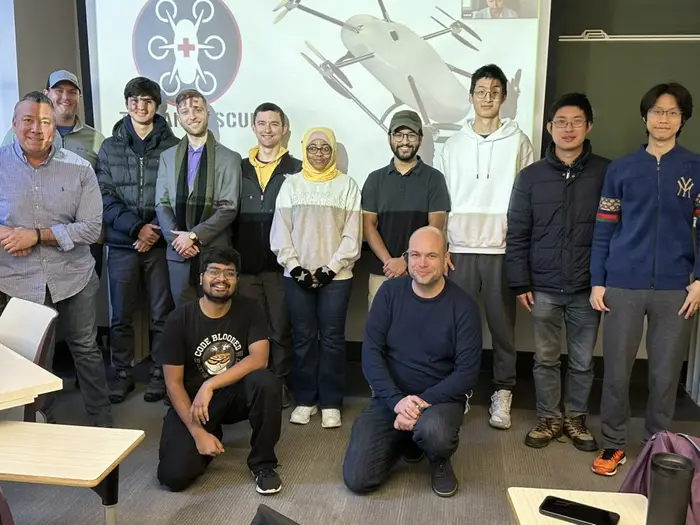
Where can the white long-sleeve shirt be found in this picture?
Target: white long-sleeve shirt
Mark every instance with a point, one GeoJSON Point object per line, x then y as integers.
{"type": "Point", "coordinates": [318, 224]}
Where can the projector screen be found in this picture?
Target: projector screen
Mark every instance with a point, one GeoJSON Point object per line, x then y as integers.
{"type": "Point", "coordinates": [9, 82]}
{"type": "Point", "coordinates": [347, 65]}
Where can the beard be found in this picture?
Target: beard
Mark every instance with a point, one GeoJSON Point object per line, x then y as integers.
{"type": "Point", "coordinates": [201, 129]}
{"type": "Point", "coordinates": [219, 297]}
{"type": "Point", "coordinates": [406, 156]}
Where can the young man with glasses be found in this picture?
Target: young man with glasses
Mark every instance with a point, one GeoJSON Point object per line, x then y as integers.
{"type": "Point", "coordinates": [641, 265]}
{"type": "Point", "coordinates": [400, 198]}
{"type": "Point", "coordinates": [127, 169]}
{"type": "Point", "coordinates": [480, 163]}
{"type": "Point", "coordinates": [548, 251]}
{"type": "Point", "coordinates": [214, 354]}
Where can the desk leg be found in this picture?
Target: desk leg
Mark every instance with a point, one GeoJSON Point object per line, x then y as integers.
{"type": "Point", "coordinates": [108, 490]}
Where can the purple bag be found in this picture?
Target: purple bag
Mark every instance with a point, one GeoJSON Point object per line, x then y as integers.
{"type": "Point", "coordinates": [638, 478]}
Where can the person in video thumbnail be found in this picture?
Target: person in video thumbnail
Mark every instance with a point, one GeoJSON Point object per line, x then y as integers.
{"type": "Point", "coordinates": [421, 355]}
{"type": "Point", "coordinates": [197, 192]}
{"type": "Point", "coordinates": [548, 251]}
{"type": "Point", "coordinates": [400, 198]}
{"type": "Point", "coordinates": [317, 237]}
{"type": "Point", "coordinates": [264, 170]}
{"type": "Point", "coordinates": [127, 169]}
{"type": "Point", "coordinates": [642, 260]}
{"type": "Point", "coordinates": [214, 355]}
{"type": "Point", "coordinates": [480, 163]}
{"type": "Point", "coordinates": [496, 9]}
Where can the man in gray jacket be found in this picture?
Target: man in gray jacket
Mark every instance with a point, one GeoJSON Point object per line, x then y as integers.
{"type": "Point", "coordinates": [197, 194]}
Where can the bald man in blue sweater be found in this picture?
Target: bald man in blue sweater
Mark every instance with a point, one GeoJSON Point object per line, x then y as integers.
{"type": "Point", "coordinates": [421, 355]}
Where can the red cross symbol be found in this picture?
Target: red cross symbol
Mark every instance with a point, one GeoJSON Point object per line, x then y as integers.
{"type": "Point", "coordinates": [186, 47]}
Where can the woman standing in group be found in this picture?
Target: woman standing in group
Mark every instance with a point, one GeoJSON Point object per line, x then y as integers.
{"type": "Point", "coordinates": [317, 237]}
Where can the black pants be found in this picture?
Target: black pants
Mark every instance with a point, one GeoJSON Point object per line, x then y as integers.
{"type": "Point", "coordinates": [257, 397]}
{"type": "Point", "coordinates": [97, 251]}
{"type": "Point", "coordinates": [375, 445]}
{"type": "Point", "coordinates": [267, 288]}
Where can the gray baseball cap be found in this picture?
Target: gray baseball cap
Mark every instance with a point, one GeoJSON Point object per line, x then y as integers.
{"type": "Point", "coordinates": [62, 76]}
{"type": "Point", "coordinates": [406, 119]}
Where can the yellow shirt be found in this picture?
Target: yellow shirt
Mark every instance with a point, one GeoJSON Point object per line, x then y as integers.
{"type": "Point", "coordinates": [264, 170]}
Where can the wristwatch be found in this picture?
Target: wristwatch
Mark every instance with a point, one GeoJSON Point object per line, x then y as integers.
{"type": "Point", "coordinates": [193, 236]}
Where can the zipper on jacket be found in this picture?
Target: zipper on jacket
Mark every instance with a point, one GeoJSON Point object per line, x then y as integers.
{"type": "Point", "coordinates": [658, 212]}
{"type": "Point", "coordinates": [566, 228]}
{"type": "Point", "coordinates": [140, 186]}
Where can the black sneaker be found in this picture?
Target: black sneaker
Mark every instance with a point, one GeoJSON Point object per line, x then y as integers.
{"type": "Point", "coordinates": [156, 386]}
{"type": "Point", "coordinates": [442, 479]}
{"type": "Point", "coordinates": [267, 481]}
{"type": "Point", "coordinates": [546, 429]}
{"type": "Point", "coordinates": [411, 453]}
{"type": "Point", "coordinates": [121, 387]}
{"type": "Point", "coordinates": [576, 430]}
{"type": "Point", "coordinates": [286, 397]}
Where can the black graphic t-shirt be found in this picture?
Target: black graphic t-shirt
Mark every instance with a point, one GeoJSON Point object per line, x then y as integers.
{"type": "Point", "coordinates": [208, 347]}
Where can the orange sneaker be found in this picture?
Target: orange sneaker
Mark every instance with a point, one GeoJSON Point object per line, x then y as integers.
{"type": "Point", "coordinates": [607, 461]}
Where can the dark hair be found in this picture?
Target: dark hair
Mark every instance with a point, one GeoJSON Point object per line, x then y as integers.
{"type": "Point", "coordinates": [227, 256]}
{"type": "Point", "coordinates": [270, 106]}
{"type": "Point", "coordinates": [142, 87]}
{"type": "Point", "coordinates": [489, 71]}
{"type": "Point", "coordinates": [683, 98]}
{"type": "Point", "coordinates": [188, 94]}
{"type": "Point", "coordinates": [578, 100]}
{"type": "Point", "coordinates": [35, 96]}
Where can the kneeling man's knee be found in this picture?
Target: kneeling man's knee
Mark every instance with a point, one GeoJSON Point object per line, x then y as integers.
{"type": "Point", "coordinates": [434, 437]}
{"type": "Point", "coordinates": [173, 478]}
{"type": "Point", "coordinates": [358, 481]}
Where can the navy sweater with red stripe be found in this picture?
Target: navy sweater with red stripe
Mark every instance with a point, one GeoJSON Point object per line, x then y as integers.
{"type": "Point", "coordinates": [643, 236]}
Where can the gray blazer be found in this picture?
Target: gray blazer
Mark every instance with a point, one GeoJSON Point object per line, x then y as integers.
{"type": "Point", "coordinates": [216, 230]}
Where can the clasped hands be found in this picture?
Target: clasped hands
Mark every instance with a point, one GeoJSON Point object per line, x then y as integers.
{"type": "Point", "coordinates": [408, 411]}
{"type": "Point", "coordinates": [183, 245]}
{"type": "Point", "coordinates": [311, 280]}
{"type": "Point", "coordinates": [18, 242]}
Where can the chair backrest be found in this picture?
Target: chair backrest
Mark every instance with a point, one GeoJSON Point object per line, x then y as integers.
{"type": "Point", "coordinates": [27, 328]}
{"type": "Point", "coordinates": [5, 514]}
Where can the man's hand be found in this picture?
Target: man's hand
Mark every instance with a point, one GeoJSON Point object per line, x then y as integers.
{"type": "Point", "coordinates": [527, 300]}
{"type": "Point", "coordinates": [395, 267]}
{"type": "Point", "coordinates": [199, 411]}
{"type": "Point", "coordinates": [450, 266]}
{"type": "Point", "coordinates": [596, 300]}
{"type": "Point", "coordinates": [692, 301]}
{"type": "Point", "coordinates": [182, 242]}
{"type": "Point", "coordinates": [142, 247]}
{"type": "Point", "coordinates": [403, 423]}
{"type": "Point", "coordinates": [188, 254]}
{"type": "Point", "coordinates": [149, 234]}
{"type": "Point", "coordinates": [19, 240]}
{"type": "Point", "coordinates": [22, 253]}
{"type": "Point", "coordinates": [410, 407]}
{"type": "Point", "coordinates": [208, 444]}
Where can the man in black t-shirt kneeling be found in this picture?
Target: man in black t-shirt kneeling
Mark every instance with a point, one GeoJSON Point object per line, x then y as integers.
{"type": "Point", "coordinates": [214, 355]}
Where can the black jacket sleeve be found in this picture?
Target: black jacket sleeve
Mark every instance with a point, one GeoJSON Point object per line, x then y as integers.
{"type": "Point", "coordinates": [519, 236]}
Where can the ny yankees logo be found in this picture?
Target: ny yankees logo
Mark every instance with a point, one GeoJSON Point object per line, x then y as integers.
{"type": "Point", "coordinates": [684, 187]}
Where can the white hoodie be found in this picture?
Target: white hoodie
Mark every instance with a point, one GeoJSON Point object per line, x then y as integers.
{"type": "Point", "coordinates": [480, 173]}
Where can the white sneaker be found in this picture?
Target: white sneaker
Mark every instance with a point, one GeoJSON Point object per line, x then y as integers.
{"type": "Point", "coordinates": [302, 415]}
{"type": "Point", "coordinates": [500, 409]}
{"type": "Point", "coordinates": [330, 418]}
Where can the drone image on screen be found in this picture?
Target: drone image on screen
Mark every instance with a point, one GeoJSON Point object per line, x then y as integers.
{"type": "Point", "coordinates": [402, 61]}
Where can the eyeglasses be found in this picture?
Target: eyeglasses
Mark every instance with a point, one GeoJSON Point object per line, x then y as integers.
{"type": "Point", "coordinates": [218, 272]}
{"type": "Point", "coordinates": [673, 113]}
{"type": "Point", "coordinates": [480, 94]}
{"type": "Point", "coordinates": [400, 137]}
{"type": "Point", "coordinates": [326, 150]}
{"type": "Point", "coordinates": [562, 123]}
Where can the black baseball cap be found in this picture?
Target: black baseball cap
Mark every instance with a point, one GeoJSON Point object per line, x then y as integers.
{"type": "Point", "coordinates": [406, 119]}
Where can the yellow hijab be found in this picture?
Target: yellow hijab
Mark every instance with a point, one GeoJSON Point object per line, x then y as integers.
{"type": "Point", "coordinates": [330, 171]}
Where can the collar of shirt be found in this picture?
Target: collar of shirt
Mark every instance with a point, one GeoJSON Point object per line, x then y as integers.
{"type": "Point", "coordinates": [391, 168]}
{"type": "Point", "coordinates": [20, 153]}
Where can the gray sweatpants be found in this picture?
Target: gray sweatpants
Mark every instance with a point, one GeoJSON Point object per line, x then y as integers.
{"type": "Point", "coordinates": [485, 274]}
{"type": "Point", "coordinates": [668, 339]}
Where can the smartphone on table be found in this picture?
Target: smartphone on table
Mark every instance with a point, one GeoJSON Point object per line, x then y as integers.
{"type": "Point", "coordinates": [577, 513]}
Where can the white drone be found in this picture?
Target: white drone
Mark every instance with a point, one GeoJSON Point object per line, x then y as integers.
{"type": "Point", "coordinates": [402, 61]}
{"type": "Point", "coordinates": [186, 47]}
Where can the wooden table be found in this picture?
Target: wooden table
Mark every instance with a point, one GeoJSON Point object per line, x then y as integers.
{"type": "Point", "coordinates": [67, 455]}
{"type": "Point", "coordinates": [21, 381]}
{"type": "Point", "coordinates": [525, 503]}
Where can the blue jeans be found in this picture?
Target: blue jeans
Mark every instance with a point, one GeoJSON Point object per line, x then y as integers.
{"type": "Point", "coordinates": [375, 445]}
{"type": "Point", "coordinates": [581, 333]}
{"type": "Point", "coordinates": [318, 340]}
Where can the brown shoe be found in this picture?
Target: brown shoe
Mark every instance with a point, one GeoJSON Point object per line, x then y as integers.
{"type": "Point", "coordinates": [576, 430]}
{"type": "Point", "coordinates": [546, 429]}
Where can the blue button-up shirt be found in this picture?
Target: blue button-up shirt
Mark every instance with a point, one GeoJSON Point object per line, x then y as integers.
{"type": "Point", "coordinates": [193, 158]}
{"type": "Point", "coordinates": [62, 194]}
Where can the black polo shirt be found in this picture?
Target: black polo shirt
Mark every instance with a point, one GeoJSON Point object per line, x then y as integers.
{"type": "Point", "coordinates": [402, 204]}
